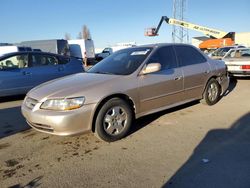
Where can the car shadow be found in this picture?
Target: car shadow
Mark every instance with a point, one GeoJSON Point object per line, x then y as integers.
{"type": "Point", "coordinates": [146, 120]}
{"type": "Point", "coordinates": [242, 78]}
{"type": "Point", "coordinates": [220, 160]}
{"type": "Point", "coordinates": [231, 87]}
{"type": "Point", "coordinates": [34, 183]}
{"type": "Point", "coordinates": [11, 121]}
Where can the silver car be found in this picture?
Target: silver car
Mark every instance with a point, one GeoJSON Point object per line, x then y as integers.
{"type": "Point", "coordinates": [129, 84]}
{"type": "Point", "coordinates": [238, 62]}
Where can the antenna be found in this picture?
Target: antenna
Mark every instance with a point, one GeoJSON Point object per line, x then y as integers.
{"type": "Point", "coordinates": [179, 34]}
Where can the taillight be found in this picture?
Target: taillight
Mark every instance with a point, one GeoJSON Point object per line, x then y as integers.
{"type": "Point", "coordinates": [245, 67]}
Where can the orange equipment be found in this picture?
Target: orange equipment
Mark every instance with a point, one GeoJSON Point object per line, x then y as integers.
{"type": "Point", "coordinates": [218, 38]}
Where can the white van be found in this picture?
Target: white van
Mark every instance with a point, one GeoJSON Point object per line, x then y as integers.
{"type": "Point", "coordinates": [10, 49]}
{"type": "Point", "coordinates": [83, 49]}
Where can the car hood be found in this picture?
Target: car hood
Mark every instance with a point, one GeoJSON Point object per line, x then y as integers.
{"type": "Point", "coordinates": [72, 86]}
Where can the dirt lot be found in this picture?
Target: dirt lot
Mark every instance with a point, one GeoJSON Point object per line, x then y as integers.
{"type": "Point", "coordinates": [190, 146]}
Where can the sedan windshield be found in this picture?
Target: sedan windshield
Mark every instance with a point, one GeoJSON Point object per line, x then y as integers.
{"type": "Point", "coordinates": [122, 62]}
{"type": "Point", "coordinates": [221, 51]}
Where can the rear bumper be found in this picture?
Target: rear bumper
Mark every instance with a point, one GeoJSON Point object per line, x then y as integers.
{"type": "Point", "coordinates": [239, 73]}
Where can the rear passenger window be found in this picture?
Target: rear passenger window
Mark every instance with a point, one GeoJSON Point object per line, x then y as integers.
{"type": "Point", "coordinates": [245, 52]}
{"type": "Point", "coordinates": [165, 56]}
{"type": "Point", "coordinates": [189, 56]}
{"type": "Point", "coordinates": [43, 60]}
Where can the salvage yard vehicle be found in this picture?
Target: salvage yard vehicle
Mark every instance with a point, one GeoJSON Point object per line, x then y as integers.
{"type": "Point", "coordinates": [128, 84]}
{"type": "Point", "coordinates": [21, 71]}
{"type": "Point", "coordinates": [237, 61]}
{"type": "Point", "coordinates": [221, 52]}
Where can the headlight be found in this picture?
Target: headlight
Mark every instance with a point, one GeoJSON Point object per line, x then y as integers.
{"type": "Point", "coordinates": [63, 104]}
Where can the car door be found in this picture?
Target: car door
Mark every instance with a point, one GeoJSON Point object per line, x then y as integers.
{"type": "Point", "coordinates": [68, 66]}
{"type": "Point", "coordinates": [44, 67]}
{"type": "Point", "coordinates": [196, 70]}
{"type": "Point", "coordinates": [14, 77]}
{"type": "Point", "coordinates": [162, 88]}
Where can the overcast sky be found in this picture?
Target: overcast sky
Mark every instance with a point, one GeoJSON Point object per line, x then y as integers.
{"type": "Point", "coordinates": [113, 21]}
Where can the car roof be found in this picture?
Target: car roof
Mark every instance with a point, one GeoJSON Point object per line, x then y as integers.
{"type": "Point", "coordinates": [30, 52]}
{"type": "Point", "coordinates": [239, 49]}
{"type": "Point", "coordinates": [161, 45]}
{"type": "Point", "coordinates": [236, 46]}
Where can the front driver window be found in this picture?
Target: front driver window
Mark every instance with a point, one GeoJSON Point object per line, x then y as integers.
{"type": "Point", "coordinates": [14, 62]}
{"type": "Point", "coordinates": [165, 56]}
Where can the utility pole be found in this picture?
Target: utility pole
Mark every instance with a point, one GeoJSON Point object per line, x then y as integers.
{"type": "Point", "coordinates": [179, 34]}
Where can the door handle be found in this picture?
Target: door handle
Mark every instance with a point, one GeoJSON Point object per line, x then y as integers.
{"type": "Point", "coordinates": [178, 78]}
{"type": "Point", "coordinates": [60, 68]}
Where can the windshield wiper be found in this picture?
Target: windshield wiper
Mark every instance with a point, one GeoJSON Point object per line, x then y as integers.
{"type": "Point", "coordinates": [101, 72]}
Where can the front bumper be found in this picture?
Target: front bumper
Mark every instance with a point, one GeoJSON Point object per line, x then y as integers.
{"type": "Point", "coordinates": [61, 123]}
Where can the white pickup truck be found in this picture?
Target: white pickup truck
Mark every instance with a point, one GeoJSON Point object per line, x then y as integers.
{"type": "Point", "coordinates": [110, 50]}
{"type": "Point", "coordinates": [238, 61]}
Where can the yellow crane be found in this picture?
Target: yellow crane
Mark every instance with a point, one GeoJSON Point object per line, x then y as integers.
{"type": "Point", "coordinates": [218, 38]}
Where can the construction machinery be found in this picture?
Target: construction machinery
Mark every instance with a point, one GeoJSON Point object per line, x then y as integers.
{"type": "Point", "coordinates": [217, 38]}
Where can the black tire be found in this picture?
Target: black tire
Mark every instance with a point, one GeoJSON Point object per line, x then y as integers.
{"type": "Point", "coordinates": [212, 92]}
{"type": "Point", "coordinates": [113, 120]}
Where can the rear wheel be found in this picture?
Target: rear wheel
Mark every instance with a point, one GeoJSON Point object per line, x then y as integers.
{"type": "Point", "coordinates": [212, 92]}
{"type": "Point", "coordinates": [113, 120]}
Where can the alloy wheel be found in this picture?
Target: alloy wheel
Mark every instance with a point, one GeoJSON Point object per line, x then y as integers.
{"type": "Point", "coordinates": [115, 120]}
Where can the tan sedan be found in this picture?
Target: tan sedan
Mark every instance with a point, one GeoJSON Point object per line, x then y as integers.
{"type": "Point", "coordinates": [128, 84]}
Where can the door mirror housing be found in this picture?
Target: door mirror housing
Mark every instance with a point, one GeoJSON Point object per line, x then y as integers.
{"type": "Point", "coordinates": [150, 68]}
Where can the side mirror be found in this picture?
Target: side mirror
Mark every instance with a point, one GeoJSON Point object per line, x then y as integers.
{"type": "Point", "coordinates": [150, 68]}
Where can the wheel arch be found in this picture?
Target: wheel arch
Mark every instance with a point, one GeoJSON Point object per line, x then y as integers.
{"type": "Point", "coordinates": [122, 96]}
{"type": "Point", "coordinates": [211, 77]}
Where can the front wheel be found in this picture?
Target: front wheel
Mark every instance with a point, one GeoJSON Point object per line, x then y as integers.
{"type": "Point", "coordinates": [212, 92]}
{"type": "Point", "coordinates": [113, 120]}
